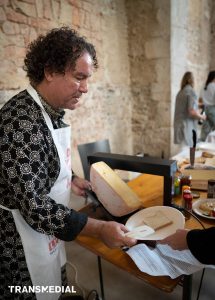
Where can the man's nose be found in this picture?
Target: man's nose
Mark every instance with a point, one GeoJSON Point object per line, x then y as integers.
{"type": "Point", "coordinates": [83, 86]}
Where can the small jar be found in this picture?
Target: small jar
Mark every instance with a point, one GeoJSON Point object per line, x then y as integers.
{"type": "Point", "coordinates": [211, 188]}
{"type": "Point", "coordinates": [185, 180]}
{"type": "Point", "coordinates": [185, 188]}
{"type": "Point", "coordinates": [188, 203]}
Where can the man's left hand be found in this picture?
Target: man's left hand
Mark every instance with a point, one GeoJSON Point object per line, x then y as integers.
{"type": "Point", "coordinates": [79, 185]}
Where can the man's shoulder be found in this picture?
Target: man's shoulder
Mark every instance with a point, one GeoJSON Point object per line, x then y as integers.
{"type": "Point", "coordinates": [21, 106]}
{"type": "Point", "coordinates": [22, 98]}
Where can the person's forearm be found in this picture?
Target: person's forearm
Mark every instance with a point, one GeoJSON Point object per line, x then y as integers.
{"type": "Point", "coordinates": [196, 115]}
{"type": "Point", "coordinates": [111, 233]}
{"type": "Point", "coordinates": [93, 228]}
{"type": "Point", "coordinates": [177, 240]}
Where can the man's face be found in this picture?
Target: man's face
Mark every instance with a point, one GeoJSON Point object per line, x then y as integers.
{"type": "Point", "coordinates": [66, 89]}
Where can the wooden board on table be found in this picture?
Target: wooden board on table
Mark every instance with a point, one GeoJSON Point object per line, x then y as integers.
{"type": "Point", "coordinates": [149, 188]}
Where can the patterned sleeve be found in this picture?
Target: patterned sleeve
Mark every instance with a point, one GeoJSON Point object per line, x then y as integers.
{"type": "Point", "coordinates": [30, 167]}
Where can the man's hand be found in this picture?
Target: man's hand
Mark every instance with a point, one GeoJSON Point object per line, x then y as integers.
{"type": "Point", "coordinates": [111, 233]}
{"type": "Point", "coordinates": [79, 185]}
{"type": "Point", "coordinates": [177, 241]}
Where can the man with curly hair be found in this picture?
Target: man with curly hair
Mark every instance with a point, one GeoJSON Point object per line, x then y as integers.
{"type": "Point", "coordinates": [36, 177]}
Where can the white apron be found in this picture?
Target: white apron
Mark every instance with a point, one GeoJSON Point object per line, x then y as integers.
{"type": "Point", "coordinates": [45, 255]}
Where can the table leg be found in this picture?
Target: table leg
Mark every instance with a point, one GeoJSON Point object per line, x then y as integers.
{"type": "Point", "coordinates": [187, 287]}
{"type": "Point", "coordinates": [101, 278]}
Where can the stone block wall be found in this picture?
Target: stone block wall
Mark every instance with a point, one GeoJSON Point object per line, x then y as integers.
{"type": "Point", "coordinates": [106, 109]}
{"type": "Point", "coordinates": [149, 24]}
{"type": "Point", "coordinates": [212, 56]}
{"type": "Point", "coordinates": [191, 47]}
{"type": "Point", "coordinates": [173, 37]}
{"type": "Point", "coordinates": [143, 48]}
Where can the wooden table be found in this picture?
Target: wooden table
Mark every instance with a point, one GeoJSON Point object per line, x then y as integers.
{"type": "Point", "coordinates": [149, 188]}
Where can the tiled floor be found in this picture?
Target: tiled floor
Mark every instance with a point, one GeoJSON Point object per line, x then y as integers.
{"type": "Point", "coordinates": [122, 286]}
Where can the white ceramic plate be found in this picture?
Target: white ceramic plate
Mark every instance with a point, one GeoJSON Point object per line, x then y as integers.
{"type": "Point", "coordinates": [198, 211]}
{"type": "Point", "coordinates": [172, 213]}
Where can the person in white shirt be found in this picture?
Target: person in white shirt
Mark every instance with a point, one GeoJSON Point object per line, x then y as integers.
{"type": "Point", "coordinates": [208, 98]}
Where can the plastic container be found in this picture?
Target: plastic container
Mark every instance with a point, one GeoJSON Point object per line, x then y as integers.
{"type": "Point", "coordinates": [177, 186]}
{"type": "Point", "coordinates": [185, 180]}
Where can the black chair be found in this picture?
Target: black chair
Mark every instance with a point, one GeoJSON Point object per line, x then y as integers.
{"type": "Point", "coordinates": [87, 149]}
{"type": "Point", "coordinates": [84, 151]}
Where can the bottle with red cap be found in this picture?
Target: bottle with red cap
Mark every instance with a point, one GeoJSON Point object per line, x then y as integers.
{"type": "Point", "coordinates": [187, 203]}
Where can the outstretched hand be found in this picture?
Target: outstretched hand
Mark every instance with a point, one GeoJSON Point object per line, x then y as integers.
{"type": "Point", "coordinates": [177, 240]}
{"type": "Point", "coordinates": [113, 235]}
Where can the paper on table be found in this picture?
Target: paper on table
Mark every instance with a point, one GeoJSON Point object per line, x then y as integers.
{"type": "Point", "coordinates": [163, 260]}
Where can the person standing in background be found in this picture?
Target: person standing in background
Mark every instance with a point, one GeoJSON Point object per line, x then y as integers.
{"type": "Point", "coordinates": [186, 111]}
{"type": "Point", "coordinates": [208, 99]}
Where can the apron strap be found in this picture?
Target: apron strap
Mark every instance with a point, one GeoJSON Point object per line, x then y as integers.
{"type": "Point", "coordinates": [5, 208]}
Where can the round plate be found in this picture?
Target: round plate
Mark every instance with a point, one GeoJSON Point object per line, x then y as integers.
{"type": "Point", "coordinates": [171, 213]}
{"type": "Point", "coordinates": [198, 211]}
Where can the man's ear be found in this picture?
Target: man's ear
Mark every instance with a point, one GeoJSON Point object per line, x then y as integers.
{"type": "Point", "coordinates": [48, 74]}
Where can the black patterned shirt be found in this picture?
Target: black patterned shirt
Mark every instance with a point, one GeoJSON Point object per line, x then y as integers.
{"type": "Point", "coordinates": [29, 167]}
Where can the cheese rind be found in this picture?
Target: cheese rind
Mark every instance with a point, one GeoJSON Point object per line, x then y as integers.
{"type": "Point", "coordinates": [114, 194]}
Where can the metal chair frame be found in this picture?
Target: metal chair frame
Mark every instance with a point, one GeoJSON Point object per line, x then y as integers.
{"type": "Point", "coordinates": [84, 151]}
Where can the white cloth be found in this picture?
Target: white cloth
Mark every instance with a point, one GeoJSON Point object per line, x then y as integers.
{"type": "Point", "coordinates": [164, 261]}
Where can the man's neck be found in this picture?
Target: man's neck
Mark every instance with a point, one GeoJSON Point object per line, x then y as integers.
{"type": "Point", "coordinates": [43, 91]}
{"type": "Point", "coordinates": [57, 114]}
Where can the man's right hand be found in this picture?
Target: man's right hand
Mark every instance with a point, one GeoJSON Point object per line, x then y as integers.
{"type": "Point", "coordinates": [111, 233]}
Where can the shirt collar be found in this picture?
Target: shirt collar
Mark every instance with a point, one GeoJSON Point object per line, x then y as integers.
{"type": "Point", "coordinates": [55, 114]}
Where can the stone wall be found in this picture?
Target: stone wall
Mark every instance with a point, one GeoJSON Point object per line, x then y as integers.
{"type": "Point", "coordinates": [173, 37]}
{"type": "Point", "coordinates": [106, 109]}
{"type": "Point", "coordinates": [190, 47]}
{"type": "Point", "coordinates": [143, 47]}
{"type": "Point", "coordinates": [212, 56]}
{"type": "Point", "coordinates": [179, 26]}
{"type": "Point", "coordinates": [149, 24]}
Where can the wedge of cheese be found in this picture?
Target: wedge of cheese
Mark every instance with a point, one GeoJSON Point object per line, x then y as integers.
{"type": "Point", "coordinates": [114, 194]}
{"type": "Point", "coordinates": [157, 220]}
